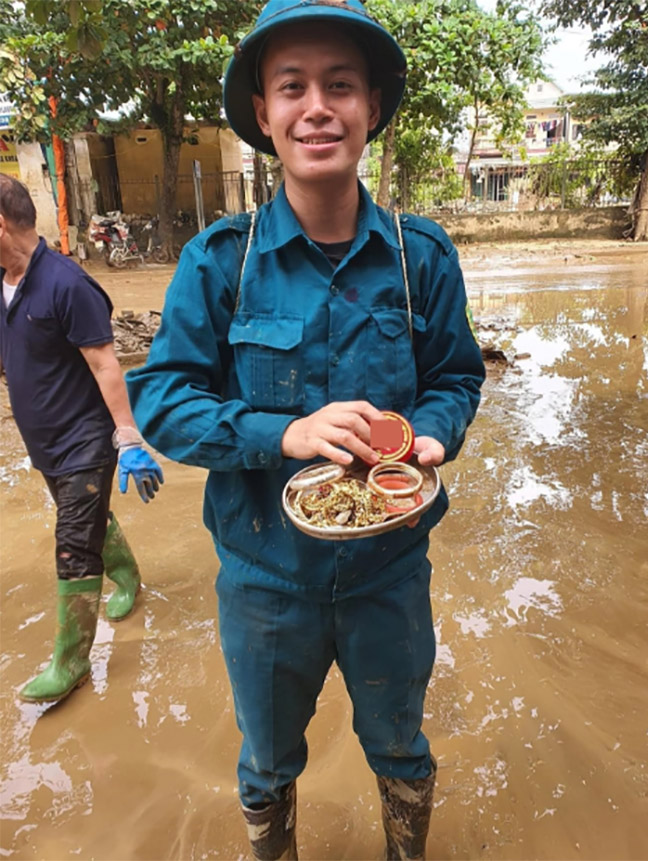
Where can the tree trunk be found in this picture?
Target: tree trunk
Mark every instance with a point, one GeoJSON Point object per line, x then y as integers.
{"type": "Point", "coordinates": [259, 188]}
{"type": "Point", "coordinates": [172, 131]}
{"type": "Point", "coordinates": [640, 231]}
{"type": "Point", "coordinates": [387, 164]}
{"type": "Point", "coordinates": [471, 149]}
{"type": "Point", "coordinates": [171, 146]}
{"type": "Point", "coordinates": [404, 189]}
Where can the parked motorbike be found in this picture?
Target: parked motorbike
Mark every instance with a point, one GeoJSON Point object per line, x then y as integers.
{"type": "Point", "coordinates": [104, 233]}
{"type": "Point", "coordinates": [112, 236]}
{"type": "Point", "coordinates": [154, 248]}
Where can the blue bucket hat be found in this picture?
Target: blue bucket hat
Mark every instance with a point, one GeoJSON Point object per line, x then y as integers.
{"type": "Point", "coordinates": [386, 60]}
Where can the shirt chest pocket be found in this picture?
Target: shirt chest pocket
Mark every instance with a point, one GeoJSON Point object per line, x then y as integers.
{"type": "Point", "coordinates": [43, 335]}
{"type": "Point", "coordinates": [391, 366]}
{"type": "Point", "coordinates": [269, 359]}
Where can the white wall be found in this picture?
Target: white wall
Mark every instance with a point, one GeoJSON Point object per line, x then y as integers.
{"type": "Point", "coordinates": [34, 173]}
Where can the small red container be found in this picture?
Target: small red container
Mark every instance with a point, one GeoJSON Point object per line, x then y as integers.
{"type": "Point", "coordinates": [403, 451]}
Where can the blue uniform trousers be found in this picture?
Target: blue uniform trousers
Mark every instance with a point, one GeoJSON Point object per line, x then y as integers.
{"type": "Point", "coordinates": [279, 647]}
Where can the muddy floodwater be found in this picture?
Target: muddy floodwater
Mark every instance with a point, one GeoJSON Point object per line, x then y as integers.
{"type": "Point", "coordinates": [538, 707]}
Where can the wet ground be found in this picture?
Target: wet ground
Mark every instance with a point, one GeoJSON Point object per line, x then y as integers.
{"type": "Point", "coordinates": [538, 708]}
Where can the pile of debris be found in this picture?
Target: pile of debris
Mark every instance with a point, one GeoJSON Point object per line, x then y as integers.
{"type": "Point", "coordinates": [134, 333]}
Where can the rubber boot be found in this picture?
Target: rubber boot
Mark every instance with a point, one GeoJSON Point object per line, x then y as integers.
{"type": "Point", "coordinates": [406, 809]}
{"type": "Point", "coordinates": [271, 830]}
{"type": "Point", "coordinates": [120, 567]}
{"type": "Point", "coordinates": [78, 607]}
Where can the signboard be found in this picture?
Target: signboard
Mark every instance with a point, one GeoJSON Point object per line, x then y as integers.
{"type": "Point", "coordinates": [7, 109]}
{"type": "Point", "coordinates": [8, 156]}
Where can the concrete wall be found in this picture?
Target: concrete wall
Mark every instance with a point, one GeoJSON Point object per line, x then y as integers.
{"type": "Point", "coordinates": [101, 151]}
{"type": "Point", "coordinates": [34, 173]}
{"type": "Point", "coordinates": [231, 153]}
{"type": "Point", "coordinates": [140, 158]}
{"type": "Point", "coordinates": [604, 223]}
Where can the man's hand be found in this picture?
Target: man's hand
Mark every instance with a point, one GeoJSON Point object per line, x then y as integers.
{"type": "Point", "coordinates": [331, 430]}
{"type": "Point", "coordinates": [429, 450]}
{"type": "Point", "coordinates": [147, 474]}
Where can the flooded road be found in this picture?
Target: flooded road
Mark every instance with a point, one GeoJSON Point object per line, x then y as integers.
{"type": "Point", "coordinates": [538, 707]}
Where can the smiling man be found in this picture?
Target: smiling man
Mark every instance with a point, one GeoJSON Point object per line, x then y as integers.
{"type": "Point", "coordinates": [282, 339]}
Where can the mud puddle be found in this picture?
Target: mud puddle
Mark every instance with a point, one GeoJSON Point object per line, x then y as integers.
{"type": "Point", "coordinates": [538, 708]}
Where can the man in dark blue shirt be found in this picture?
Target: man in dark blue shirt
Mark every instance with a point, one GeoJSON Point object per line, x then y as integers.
{"type": "Point", "coordinates": [281, 342]}
{"type": "Point", "coordinates": [71, 406]}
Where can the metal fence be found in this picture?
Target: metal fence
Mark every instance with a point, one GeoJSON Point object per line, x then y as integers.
{"type": "Point", "coordinates": [510, 187]}
{"type": "Point", "coordinates": [483, 188]}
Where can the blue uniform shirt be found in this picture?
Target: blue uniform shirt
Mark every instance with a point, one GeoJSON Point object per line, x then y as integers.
{"type": "Point", "coordinates": [55, 399]}
{"type": "Point", "coordinates": [222, 383]}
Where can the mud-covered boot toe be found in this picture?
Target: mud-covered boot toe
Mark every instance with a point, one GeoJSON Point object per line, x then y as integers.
{"type": "Point", "coordinates": [77, 611]}
{"type": "Point", "coordinates": [122, 602]}
{"type": "Point", "coordinates": [53, 685]}
{"type": "Point", "coordinates": [271, 829]}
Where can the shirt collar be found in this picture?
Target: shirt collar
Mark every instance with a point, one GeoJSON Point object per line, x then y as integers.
{"type": "Point", "coordinates": [280, 225]}
{"type": "Point", "coordinates": [38, 251]}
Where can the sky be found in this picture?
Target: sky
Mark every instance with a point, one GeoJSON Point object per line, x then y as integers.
{"type": "Point", "coordinates": [567, 60]}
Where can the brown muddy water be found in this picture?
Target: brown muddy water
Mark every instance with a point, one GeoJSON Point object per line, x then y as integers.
{"type": "Point", "coordinates": [538, 708]}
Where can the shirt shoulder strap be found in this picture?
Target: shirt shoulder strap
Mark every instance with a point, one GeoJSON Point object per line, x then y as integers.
{"type": "Point", "coordinates": [245, 257]}
{"type": "Point", "coordinates": [401, 242]}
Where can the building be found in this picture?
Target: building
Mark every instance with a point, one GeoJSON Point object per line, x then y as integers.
{"type": "Point", "coordinates": [29, 163]}
{"type": "Point", "coordinates": [495, 174]}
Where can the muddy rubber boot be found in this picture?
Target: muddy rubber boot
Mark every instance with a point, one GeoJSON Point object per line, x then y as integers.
{"type": "Point", "coordinates": [120, 567]}
{"type": "Point", "coordinates": [78, 607]}
{"type": "Point", "coordinates": [271, 830]}
{"type": "Point", "coordinates": [406, 809]}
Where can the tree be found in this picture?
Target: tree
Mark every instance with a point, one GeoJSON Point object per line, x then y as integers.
{"type": "Point", "coordinates": [458, 57]}
{"type": "Point", "coordinates": [617, 111]}
{"type": "Point", "coordinates": [159, 60]}
{"type": "Point", "coordinates": [579, 177]}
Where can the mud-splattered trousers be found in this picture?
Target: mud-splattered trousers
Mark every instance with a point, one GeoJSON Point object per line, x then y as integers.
{"type": "Point", "coordinates": [279, 649]}
{"type": "Point", "coordinates": [231, 366]}
{"type": "Point", "coordinates": [82, 505]}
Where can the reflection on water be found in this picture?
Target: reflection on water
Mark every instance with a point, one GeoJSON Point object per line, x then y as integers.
{"type": "Point", "coordinates": [527, 592]}
{"type": "Point", "coordinates": [537, 708]}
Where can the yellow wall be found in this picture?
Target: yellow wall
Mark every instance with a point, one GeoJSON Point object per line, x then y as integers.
{"type": "Point", "coordinates": [8, 154]}
{"type": "Point", "coordinates": [140, 158]}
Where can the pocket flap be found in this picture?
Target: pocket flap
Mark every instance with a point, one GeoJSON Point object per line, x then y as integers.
{"type": "Point", "coordinates": [266, 330]}
{"type": "Point", "coordinates": [392, 322]}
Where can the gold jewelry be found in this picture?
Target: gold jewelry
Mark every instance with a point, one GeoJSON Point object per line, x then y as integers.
{"type": "Point", "coordinates": [346, 503]}
{"type": "Point", "coordinates": [402, 473]}
{"type": "Point", "coordinates": [320, 473]}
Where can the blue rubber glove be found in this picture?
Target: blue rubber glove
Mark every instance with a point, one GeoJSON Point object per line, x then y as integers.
{"type": "Point", "coordinates": [147, 474]}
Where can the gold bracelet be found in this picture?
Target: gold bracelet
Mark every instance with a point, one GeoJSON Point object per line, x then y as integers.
{"type": "Point", "coordinates": [395, 470]}
{"type": "Point", "coordinates": [314, 476]}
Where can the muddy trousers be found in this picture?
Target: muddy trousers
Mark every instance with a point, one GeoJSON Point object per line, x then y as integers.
{"type": "Point", "coordinates": [279, 649]}
{"type": "Point", "coordinates": [82, 507]}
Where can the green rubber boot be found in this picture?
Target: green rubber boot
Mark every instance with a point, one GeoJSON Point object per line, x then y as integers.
{"type": "Point", "coordinates": [120, 567]}
{"type": "Point", "coordinates": [78, 607]}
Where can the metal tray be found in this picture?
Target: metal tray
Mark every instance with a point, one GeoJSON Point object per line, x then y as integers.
{"type": "Point", "coordinates": [429, 492]}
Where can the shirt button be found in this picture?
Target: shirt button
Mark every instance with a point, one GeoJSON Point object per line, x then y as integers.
{"type": "Point", "coordinates": [261, 457]}
{"type": "Point", "coordinates": [335, 360]}
{"type": "Point", "coordinates": [343, 552]}
{"type": "Point", "coordinates": [335, 289]}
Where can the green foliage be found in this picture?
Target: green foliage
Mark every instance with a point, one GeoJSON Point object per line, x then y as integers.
{"type": "Point", "coordinates": [618, 108]}
{"type": "Point", "coordinates": [459, 57]}
{"type": "Point", "coordinates": [160, 58]}
{"type": "Point", "coordinates": [580, 177]}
